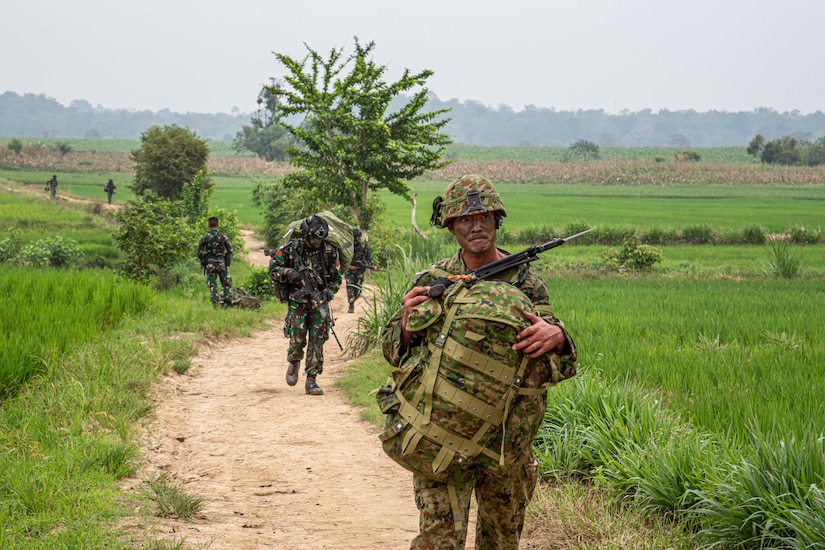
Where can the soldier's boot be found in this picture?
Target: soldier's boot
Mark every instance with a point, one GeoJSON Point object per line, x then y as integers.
{"type": "Point", "coordinates": [292, 373]}
{"type": "Point", "coordinates": [312, 387]}
{"type": "Point", "coordinates": [351, 307]}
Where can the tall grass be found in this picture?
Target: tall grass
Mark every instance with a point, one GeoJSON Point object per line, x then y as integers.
{"type": "Point", "coordinates": [48, 312]}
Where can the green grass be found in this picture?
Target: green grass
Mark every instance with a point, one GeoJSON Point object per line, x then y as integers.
{"type": "Point", "coordinates": [773, 207]}
{"type": "Point", "coordinates": [561, 154]}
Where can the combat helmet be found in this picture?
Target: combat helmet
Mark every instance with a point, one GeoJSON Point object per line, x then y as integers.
{"type": "Point", "coordinates": [315, 226]}
{"type": "Point", "coordinates": [465, 195]}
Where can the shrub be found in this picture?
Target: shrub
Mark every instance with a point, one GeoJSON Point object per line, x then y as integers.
{"type": "Point", "coordinates": [258, 284]}
{"type": "Point", "coordinates": [754, 234]}
{"type": "Point", "coordinates": [784, 262]}
{"type": "Point", "coordinates": [16, 145]}
{"type": "Point", "coordinates": [688, 156]}
{"type": "Point", "coordinates": [11, 246]}
{"type": "Point", "coordinates": [633, 255]}
{"type": "Point", "coordinates": [802, 235]}
{"type": "Point", "coordinates": [54, 251]}
{"type": "Point", "coordinates": [698, 234]}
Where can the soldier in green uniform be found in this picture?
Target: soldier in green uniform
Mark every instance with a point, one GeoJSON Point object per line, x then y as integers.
{"type": "Point", "coordinates": [52, 186]}
{"type": "Point", "coordinates": [215, 255]}
{"type": "Point", "coordinates": [305, 325]}
{"type": "Point", "coordinates": [472, 211]}
{"type": "Point", "coordinates": [361, 261]}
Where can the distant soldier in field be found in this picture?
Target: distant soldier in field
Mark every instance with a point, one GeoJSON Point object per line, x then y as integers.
{"type": "Point", "coordinates": [361, 261]}
{"type": "Point", "coordinates": [110, 187]}
{"type": "Point", "coordinates": [215, 254]}
{"type": "Point", "coordinates": [51, 186]}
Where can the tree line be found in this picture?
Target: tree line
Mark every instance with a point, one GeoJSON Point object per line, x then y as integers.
{"type": "Point", "coordinates": [470, 122]}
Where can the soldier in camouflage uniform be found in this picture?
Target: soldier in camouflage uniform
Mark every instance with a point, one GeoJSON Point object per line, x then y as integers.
{"type": "Point", "coordinates": [215, 254]}
{"type": "Point", "coordinates": [472, 211]}
{"type": "Point", "coordinates": [361, 261]}
{"type": "Point", "coordinates": [305, 325]}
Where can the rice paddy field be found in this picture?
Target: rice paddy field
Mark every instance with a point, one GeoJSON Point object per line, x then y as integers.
{"type": "Point", "coordinates": [701, 379]}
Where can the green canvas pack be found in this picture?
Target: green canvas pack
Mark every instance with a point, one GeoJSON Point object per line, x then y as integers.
{"type": "Point", "coordinates": [465, 397]}
{"type": "Point", "coordinates": [340, 236]}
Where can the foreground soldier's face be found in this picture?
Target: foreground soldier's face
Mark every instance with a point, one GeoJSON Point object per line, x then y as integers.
{"type": "Point", "coordinates": [475, 233]}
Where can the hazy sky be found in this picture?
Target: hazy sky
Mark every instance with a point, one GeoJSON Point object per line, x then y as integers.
{"type": "Point", "coordinates": [210, 56]}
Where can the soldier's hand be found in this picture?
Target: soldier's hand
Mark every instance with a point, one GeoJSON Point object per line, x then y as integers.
{"type": "Point", "coordinates": [417, 295]}
{"type": "Point", "coordinates": [539, 338]}
{"type": "Point", "coordinates": [293, 276]}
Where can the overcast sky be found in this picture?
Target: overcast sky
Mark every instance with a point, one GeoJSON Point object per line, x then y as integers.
{"type": "Point", "coordinates": [209, 56]}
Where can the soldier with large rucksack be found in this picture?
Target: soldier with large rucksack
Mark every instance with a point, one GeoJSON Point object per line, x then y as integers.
{"type": "Point", "coordinates": [306, 273]}
{"type": "Point", "coordinates": [473, 364]}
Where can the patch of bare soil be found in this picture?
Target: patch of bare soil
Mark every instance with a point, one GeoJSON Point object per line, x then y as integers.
{"type": "Point", "coordinates": [278, 468]}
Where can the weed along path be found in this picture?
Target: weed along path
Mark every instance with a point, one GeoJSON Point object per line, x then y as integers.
{"type": "Point", "coordinates": [278, 469]}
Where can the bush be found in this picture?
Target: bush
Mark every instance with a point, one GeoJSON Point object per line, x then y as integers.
{"type": "Point", "coordinates": [54, 251]}
{"type": "Point", "coordinates": [633, 255]}
{"type": "Point", "coordinates": [754, 234]}
{"type": "Point", "coordinates": [802, 235]}
{"type": "Point", "coordinates": [16, 145]}
{"type": "Point", "coordinates": [11, 246]}
{"type": "Point", "coordinates": [258, 284]}
{"type": "Point", "coordinates": [784, 262]}
{"type": "Point", "coordinates": [688, 156]}
{"type": "Point", "coordinates": [698, 234]}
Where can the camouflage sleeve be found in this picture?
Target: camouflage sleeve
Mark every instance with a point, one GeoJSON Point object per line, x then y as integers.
{"type": "Point", "coordinates": [535, 289]}
{"type": "Point", "coordinates": [278, 263]}
{"type": "Point", "coordinates": [391, 333]}
{"type": "Point", "coordinates": [334, 278]}
{"type": "Point", "coordinates": [228, 244]}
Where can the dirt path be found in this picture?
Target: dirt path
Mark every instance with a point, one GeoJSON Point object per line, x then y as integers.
{"type": "Point", "coordinates": [278, 468]}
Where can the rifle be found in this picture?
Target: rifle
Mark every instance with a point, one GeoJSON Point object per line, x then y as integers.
{"type": "Point", "coordinates": [363, 266]}
{"type": "Point", "coordinates": [315, 288]}
{"type": "Point", "coordinates": [472, 276]}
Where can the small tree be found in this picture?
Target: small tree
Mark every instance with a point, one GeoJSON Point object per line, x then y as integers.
{"type": "Point", "coordinates": [585, 149]}
{"type": "Point", "coordinates": [168, 157]}
{"type": "Point", "coordinates": [16, 145]}
{"type": "Point", "coordinates": [815, 152]}
{"type": "Point", "coordinates": [756, 145]}
{"type": "Point", "coordinates": [265, 136]}
{"type": "Point", "coordinates": [350, 141]}
{"type": "Point", "coordinates": [153, 234]}
{"type": "Point", "coordinates": [784, 151]}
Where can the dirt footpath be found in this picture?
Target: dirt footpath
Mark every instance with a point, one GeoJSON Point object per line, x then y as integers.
{"type": "Point", "coordinates": [278, 468]}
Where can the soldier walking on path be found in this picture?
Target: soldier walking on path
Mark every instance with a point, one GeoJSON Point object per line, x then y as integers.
{"type": "Point", "coordinates": [51, 186]}
{"type": "Point", "coordinates": [215, 255]}
{"type": "Point", "coordinates": [454, 370]}
{"type": "Point", "coordinates": [308, 319]}
{"type": "Point", "coordinates": [110, 187]}
{"type": "Point", "coordinates": [361, 261]}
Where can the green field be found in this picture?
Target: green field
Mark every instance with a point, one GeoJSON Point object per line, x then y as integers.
{"type": "Point", "coordinates": [708, 336]}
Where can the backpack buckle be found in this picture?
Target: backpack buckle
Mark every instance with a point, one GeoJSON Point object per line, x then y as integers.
{"type": "Point", "coordinates": [442, 338]}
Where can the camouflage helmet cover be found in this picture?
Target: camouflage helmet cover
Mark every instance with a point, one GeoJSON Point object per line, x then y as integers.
{"type": "Point", "coordinates": [467, 194]}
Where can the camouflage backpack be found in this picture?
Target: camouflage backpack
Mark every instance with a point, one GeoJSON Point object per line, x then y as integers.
{"type": "Point", "coordinates": [238, 297]}
{"type": "Point", "coordinates": [465, 397]}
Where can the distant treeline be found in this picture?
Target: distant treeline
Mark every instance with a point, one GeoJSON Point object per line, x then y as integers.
{"type": "Point", "coordinates": [472, 123]}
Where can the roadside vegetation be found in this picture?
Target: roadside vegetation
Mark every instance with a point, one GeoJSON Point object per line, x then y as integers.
{"type": "Point", "coordinates": [694, 420]}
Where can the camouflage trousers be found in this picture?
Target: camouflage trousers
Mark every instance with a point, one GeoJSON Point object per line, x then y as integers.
{"type": "Point", "coordinates": [213, 274]}
{"type": "Point", "coordinates": [305, 328]}
{"type": "Point", "coordinates": [502, 503]}
{"type": "Point", "coordinates": [355, 281]}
